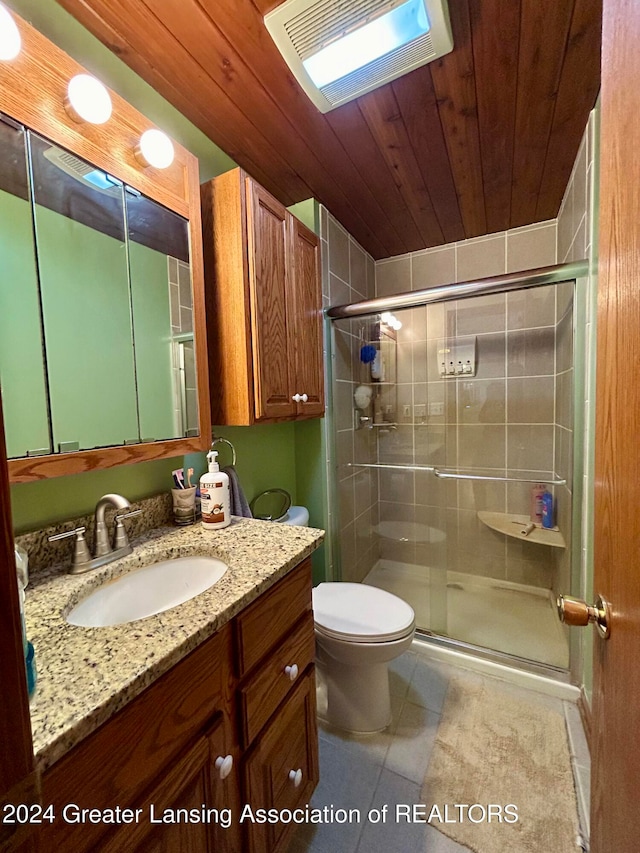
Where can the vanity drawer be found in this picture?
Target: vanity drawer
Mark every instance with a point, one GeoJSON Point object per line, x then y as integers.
{"type": "Point", "coordinates": [289, 745]}
{"type": "Point", "coordinates": [270, 684]}
{"type": "Point", "coordinates": [269, 620]}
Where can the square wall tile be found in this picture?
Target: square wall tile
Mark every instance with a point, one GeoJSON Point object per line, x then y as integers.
{"type": "Point", "coordinates": [530, 447]}
{"type": "Point", "coordinates": [357, 268]}
{"type": "Point", "coordinates": [528, 309]}
{"type": "Point", "coordinates": [491, 351]}
{"type": "Point", "coordinates": [339, 291]}
{"type": "Point", "coordinates": [481, 446]}
{"type": "Point", "coordinates": [370, 265]}
{"type": "Point", "coordinates": [433, 267]}
{"type": "Point", "coordinates": [531, 400]}
{"type": "Point", "coordinates": [338, 250]}
{"type": "Point", "coordinates": [565, 224]}
{"type": "Point", "coordinates": [482, 257]}
{"type": "Point", "coordinates": [531, 352]}
{"type": "Point", "coordinates": [393, 276]}
{"type": "Point", "coordinates": [481, 401]}
{"type": "Point", "coordinates": [481, 314]}
{"type": "Point", "coordinates": [532, 247]}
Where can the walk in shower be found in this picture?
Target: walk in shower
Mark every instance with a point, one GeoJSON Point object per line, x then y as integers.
{"type": "Point", "coordinates": [450, 406]}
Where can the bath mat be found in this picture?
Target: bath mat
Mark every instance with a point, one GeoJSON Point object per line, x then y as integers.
{"type": "Point", "coordinates": [493, 749]}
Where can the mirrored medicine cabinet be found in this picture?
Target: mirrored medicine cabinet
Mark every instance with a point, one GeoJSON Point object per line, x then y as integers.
{"type": "Point", "coordinates": [102, 331]}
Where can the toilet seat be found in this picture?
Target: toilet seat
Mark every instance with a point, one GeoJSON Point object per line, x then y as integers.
{"type": "Point", "coordinates": [358, 613]}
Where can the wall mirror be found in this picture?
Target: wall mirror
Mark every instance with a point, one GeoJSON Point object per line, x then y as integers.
{"type": "Point", "coordinates": [102, 357]}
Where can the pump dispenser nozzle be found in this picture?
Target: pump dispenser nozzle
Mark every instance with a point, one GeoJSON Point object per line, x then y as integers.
{"type": "Point", "coordinates": [212, 459]}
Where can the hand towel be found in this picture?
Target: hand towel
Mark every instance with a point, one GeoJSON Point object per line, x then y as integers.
{"type": "Point", "coordinates": [239, 503]}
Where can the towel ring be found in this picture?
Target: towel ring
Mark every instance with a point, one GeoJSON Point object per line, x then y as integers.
{"type": "Point", "coordinates": [225, 441]}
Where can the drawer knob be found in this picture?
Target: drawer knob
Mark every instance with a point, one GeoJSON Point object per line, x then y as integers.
{"type": "Point", "coordinates": [296, 777]}
{"type": "Point", "coordinates": [223, 765]}
{"type": "Point", "coordinates": [291, 671]}
{"type": "Point", "coordinates": [296, 398]}
{"type": "Point", "coordinates": [304, 398]}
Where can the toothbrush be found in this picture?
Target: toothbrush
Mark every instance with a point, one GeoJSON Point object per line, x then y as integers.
{"type": "Point", "coordinates": [189, 476]}
{"type": "Point", "coordinates": [178, 478]}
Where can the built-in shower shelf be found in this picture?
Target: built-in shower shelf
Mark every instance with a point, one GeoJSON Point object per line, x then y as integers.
{"type": "Point", "coordinates": [512, 525]}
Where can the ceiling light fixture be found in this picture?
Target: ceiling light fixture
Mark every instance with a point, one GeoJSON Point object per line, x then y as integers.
{"type": "Point", "coordinates": [87, 100]}
{"type": "Point", "coordinates": [10, 41]}
{"type": "Point", "coordinates": [155, 149]}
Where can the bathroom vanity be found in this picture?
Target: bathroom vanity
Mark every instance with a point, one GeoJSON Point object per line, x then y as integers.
{"type": "Point", "coordinates": [231, 721]}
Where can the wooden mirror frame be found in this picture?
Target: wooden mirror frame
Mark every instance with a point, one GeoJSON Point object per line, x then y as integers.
{"type": "Point", "coordinates": [33, 88]}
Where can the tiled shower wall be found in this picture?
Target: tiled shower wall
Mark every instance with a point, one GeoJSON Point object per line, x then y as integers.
{"type": "Point", "coordinates": [500, 422]}
{"type": "Point", "coordinates": [348, 276]}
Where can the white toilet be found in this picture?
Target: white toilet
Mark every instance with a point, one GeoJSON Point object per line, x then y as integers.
{"type": "Point", "coordinates": [359, 629]}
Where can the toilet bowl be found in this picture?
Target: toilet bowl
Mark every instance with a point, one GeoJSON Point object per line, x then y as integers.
{"type": "Point", "coordinates": [359, 629]}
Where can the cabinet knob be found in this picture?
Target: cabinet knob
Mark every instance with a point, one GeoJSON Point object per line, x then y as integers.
{"type": "Point", "coordinates": [304, 398]}
{"type": "Point", "coordinates": [296, 777]}
{"type": "Point", "coordinates": [223, 765]}
{"type": "Point", "coordinates": [291, 671]}
{"type": "Point", "coordinates": [296, 398]}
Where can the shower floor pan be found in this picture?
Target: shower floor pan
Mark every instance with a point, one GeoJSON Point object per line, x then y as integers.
{"type": "Point", "coordinates": [506, 617]}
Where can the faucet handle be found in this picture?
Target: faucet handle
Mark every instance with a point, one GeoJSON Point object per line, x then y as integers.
{"type": "Point", "coordinates": [120, 539]}
{"type": "Point", "coordinates": [81, 554]}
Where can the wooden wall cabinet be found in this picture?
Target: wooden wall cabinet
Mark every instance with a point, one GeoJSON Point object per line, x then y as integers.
{"type": "Point", "coordinates": [264, 306]}
{"type": "Point", "coordinates": [233, 723]}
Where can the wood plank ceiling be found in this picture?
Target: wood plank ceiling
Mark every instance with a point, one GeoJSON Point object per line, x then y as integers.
{"type": "Point", "coordinates": [479, 141]}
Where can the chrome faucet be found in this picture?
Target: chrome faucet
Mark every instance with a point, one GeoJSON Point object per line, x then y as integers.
{"type": "Point", "coordinates": [104, 551]}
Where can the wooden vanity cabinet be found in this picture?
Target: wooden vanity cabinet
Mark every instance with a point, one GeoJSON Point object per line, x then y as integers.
{"type": "Point", "coordinates": [264, 306]}
{"type": "Point", "coordinates": [225, 727]}
{"type": "Point", "coordinates": [158, 749]}
{"type": "Point", "coordinates": [277, 705]}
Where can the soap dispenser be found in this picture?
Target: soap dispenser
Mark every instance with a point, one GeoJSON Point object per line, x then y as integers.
{"type": "Point", "coordinates": [215, 495]}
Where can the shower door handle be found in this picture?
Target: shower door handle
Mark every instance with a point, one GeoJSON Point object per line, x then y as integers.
{"type": "Point", "coordinates": [575, 611]}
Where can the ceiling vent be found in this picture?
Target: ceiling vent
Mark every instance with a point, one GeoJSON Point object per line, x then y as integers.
{"type": "Point", "coordinates": [340, 49]}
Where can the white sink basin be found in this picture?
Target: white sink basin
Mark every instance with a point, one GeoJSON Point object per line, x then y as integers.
{"type": "Point", "coordinates": [145, 592]}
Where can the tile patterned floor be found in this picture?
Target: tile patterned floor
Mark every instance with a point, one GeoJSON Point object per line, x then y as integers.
{"type": "Point", "coordinates": [387, 768]}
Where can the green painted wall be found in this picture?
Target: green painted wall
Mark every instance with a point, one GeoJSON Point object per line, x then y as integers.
{"type": "Point", "coordinates": [266, 457]}
{"type": "Point", "coordinates": [311, 483]}
{"type": "Point", "coordinates": [21, 367]}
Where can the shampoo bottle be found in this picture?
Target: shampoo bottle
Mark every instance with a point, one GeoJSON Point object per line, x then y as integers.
{"type": "Point", "coordinates": [215, 495]}
{"type": "Point", "coordinates": [547, 510]}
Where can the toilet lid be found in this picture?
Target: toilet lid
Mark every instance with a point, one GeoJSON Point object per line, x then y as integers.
{"type": "Point", "coordinates": [361, 613]}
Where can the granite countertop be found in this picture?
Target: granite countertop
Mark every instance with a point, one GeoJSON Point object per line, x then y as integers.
{"type": "Point", "coordinates": [85, 675]}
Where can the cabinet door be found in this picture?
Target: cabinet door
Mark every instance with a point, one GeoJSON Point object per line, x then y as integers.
{"type": "Point", "coordinates": [200, 794]}
{"type": "Point", "coordinates": [270, 290]}
{"type": "Point", "coordinates": [281, 771]}
{"type": "Point", "coordinates": [307, 342]}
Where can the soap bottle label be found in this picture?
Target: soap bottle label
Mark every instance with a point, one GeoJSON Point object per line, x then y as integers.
{"type": "Point", "coordinates": [212, 511]}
